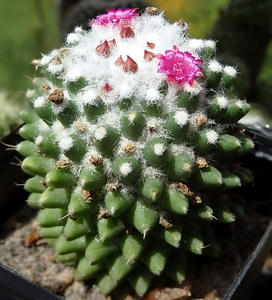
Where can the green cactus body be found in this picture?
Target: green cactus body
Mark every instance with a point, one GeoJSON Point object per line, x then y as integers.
{"type": "Point", "coordinates": [129, 139]}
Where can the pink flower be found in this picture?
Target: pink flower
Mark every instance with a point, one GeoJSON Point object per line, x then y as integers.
{"type": "Point", "coordinates": [180, 67]}
{"type": "Point", "coordinates": [119, 17]}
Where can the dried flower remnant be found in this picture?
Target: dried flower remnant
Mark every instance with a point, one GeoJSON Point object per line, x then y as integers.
{"type": "Point", "coordinates": [180, 67]}
{"type": "Point", "coordinates": [152, 11]}
{"type": "Point", "coordinates": [63, 163]}
{"type": "Point", "coordinates": [129, 148]}
{"type": "Point", "coordinates": [86, 196]}
{"type": "Point", "coordinates": [57, 96]}
{"type": "Point", "coordinates": [95, 161]}
{"type": "Point", "coordinates": [57, 61]}
{"type": "Point", "coordinates": [46, 88]}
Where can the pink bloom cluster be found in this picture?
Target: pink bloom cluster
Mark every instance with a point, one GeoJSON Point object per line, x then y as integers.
{"type": "Point", "coordinates": [180, 67]}
{"type": "Point", "coordinates": [120, 17]}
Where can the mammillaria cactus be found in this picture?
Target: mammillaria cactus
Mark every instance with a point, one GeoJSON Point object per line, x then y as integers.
{"type": "Point", "coordinates": [132, 141]}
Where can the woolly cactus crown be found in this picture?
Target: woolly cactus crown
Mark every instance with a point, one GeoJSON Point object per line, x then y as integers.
{"type": "Point", "coordinates": [132, 140]}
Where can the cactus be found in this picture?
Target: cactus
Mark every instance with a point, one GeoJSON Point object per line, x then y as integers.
{"type": "Point", "coordinates": [132, 144]}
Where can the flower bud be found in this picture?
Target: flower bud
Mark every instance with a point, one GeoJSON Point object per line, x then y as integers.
{"type": "Point", "coordinates": [119, 61]}
{"type": "Point", "coordinates": [150, 45]}
{"type": "Point", "coordinates": [148, 55]}
{"type": "Point", "coordinates": [103, 49]}
{"type": "Point", "coordinates": [130, 66]}
{"type": "Point", "coordinates": [126, 32]}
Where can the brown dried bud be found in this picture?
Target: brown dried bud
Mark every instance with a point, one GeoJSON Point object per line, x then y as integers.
{"type": "Point", "coordinates": [95, 161]}
{"type": "Point", "coordinates": [63, 163]}
{"type": "Point", "coordinates": [44, 182]}
{"type": "Point", "coordinates": [148, 55]}
{"type": "Point", "coordinates": [181, 23]}
{"type": "Point", "coordinates": [150, 45]}
{"type": "Point", "coordinates": [165, 222]}
{"type": "Point", "coordinates": [195, 198]}
{"type": "Point", "coordinates": [103, 49]}
{"type": "Point", "coordinates": [129, 148]}
{"type": "Point", "coordinates": [126, 32]}
{"type": "Point", "coordinates": [57, 61]}
{"type": "Point", "coordinates": [63, 52]}
{"type": "Point", "coordinates": [46, 88]}
{"type": "Point", "coordinates": [183, 188]}
{"type": "Point", "coordinates": [130, 66]}
{"type": "Point", "coordinates": [200, 121]}
{"type": "Point", "coordinates": [201, 162]}
{"type": "Point", "coordinates": [152, 127]}
{"type": "Point", "coordinates": [80, 126]}
{"type": "Point", "coordinates": [152, 11]}
{"type": "Point", "coordinates": [87, 196]}
{"type": "Point", "coordinates": [112, 187]}
{"type": "Point", "coordinates": [119, 61]}
{"type": "Point", "coordinates": [57, 96]}
{"type": "Point", "coordinates": [103, 214]}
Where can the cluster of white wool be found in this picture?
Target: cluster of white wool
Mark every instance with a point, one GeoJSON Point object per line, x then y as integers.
{"type": "Point", "coordinates": [80, 61]}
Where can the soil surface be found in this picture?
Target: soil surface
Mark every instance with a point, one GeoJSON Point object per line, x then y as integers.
{"type": "Point", "coordinates": [23, 251]}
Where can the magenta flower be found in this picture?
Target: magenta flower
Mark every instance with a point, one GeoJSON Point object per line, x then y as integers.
{"type": "Point", "coordinates": [120, 17]}
{"type": "Point", "coordinates": [180, 67]}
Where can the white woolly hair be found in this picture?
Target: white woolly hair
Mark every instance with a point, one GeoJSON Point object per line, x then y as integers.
{"type": "Point", "coordinates": [153, 173]}
{"type": "Point", "coordinates": [100, 133]}
{"type": "Point", "coordinates": [54, 68]}
{"type": "Point", "coordinates": [109, 83]}
{"type": "Point", "coordinates": [181, 117]}
{"type": "Point", "coordinates": [215, 66]}
{"type": "Point", "coordinates": [90, 96]}
{"type": "Point", "coordinates": [196, 44]}
{"type": "Point", "coordinates": [210, 44]}
{"type": "Point", "coordinates": [125, 169]}
{"type": "Point", "coordinates": [222, 101]}
{"type": "Point", "coordinates": [97, 70]}
{"type": "Point", "coordinates": [159, 149]}
{"type": "Point", "coordinates": [179, 149]}
{"type": "Point", "coordinates": [39, 102]}
{"type": "Point", "coordinates": [66, 143]}
{"type": "Point", "coordinates": [239, 103]}
{"type": "Point", "coordinates": [212, 136]}
{"type": "Point", "coordinates": [231, 71]}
